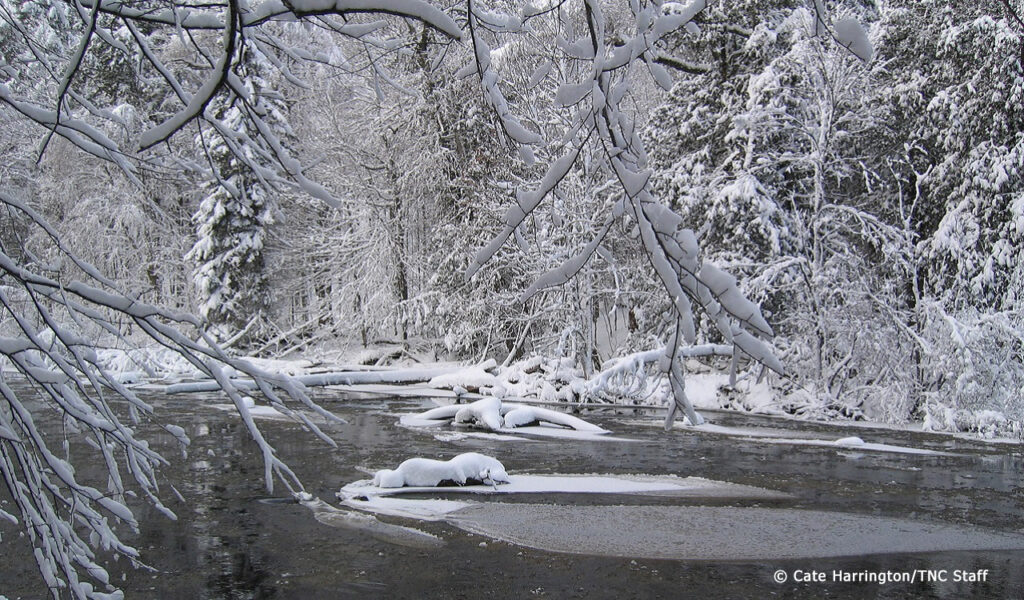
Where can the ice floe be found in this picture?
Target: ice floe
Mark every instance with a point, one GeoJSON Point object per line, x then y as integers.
{"type": "Point", "coordinates": [691, 487]}
{"type": "Point", "coordinates": [368, 523]}
{"type": "Point", "coordinates": [796, 438]}
{"type": "Point", "coordinates": [719, 533]}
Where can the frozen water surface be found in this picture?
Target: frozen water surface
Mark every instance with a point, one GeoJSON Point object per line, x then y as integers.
{"type": "Point", "coordinates": [959, 508]}
{"type": "Point", "coordinates": [709, 533]}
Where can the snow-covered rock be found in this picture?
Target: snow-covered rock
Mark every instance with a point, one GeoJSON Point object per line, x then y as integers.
{"type": "Point", "coordinates": [425, 472]}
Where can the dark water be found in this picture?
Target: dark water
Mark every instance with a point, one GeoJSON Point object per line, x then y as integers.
{"type": "Point", "coordinates": [233, 539]}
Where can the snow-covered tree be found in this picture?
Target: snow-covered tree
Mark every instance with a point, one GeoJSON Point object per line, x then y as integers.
{"type": "Point", "coordinates": [197, 58]}
{"type": "Point", "coordinates": [53, 302]}
{"type": "Point", "coordinates": [766, 145]}
{"type": "Point", "coordinates": [953, 79]}
{"type": "Point", "coordinates": [237, 210]}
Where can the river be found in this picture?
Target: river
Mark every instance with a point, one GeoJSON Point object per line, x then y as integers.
{"type": "Point", "coordinates": [233, 539]}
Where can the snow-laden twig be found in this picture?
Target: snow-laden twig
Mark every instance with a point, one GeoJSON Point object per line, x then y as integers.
{"type": "Point", "coordinates": [55, 353]}
{"type": "Point", "coordinates": [671, 249]}
{"type": "Point", "coordinates": [198, 102]}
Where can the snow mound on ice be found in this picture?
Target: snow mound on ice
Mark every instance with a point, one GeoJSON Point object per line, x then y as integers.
{"type": "Point", "coordinates": [425, 472]}
{"type": "Point", "coordinates": [365, 496]}
{"type": "Point", "coordinates": [849, 441]}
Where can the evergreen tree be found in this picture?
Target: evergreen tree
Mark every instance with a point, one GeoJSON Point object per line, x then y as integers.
{"type": "Point", "coordinates": [238, 208]}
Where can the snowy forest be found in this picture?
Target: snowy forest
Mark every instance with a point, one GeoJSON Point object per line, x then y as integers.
{"type": "Point", "coordinates": [819, 201]}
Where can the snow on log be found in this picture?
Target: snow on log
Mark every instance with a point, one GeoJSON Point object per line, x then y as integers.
{"type": "Point", "coordinates": [441, 413]}
{"type": "Point", "coordinates": [470, 378]}
{"type": "Point", "coordinates": [485, 413]}
{"type": "Point", "coordinates": [492, 414]}
{"type": "Point", "coordinates": [469, 467]}
{"type": "Point", "coordinates": [324, 379]}
{"type": "Point", "coordinates": [517, 416]}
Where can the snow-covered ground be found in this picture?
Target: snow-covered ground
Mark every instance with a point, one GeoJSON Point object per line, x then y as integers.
{"type": "Point", "coordinates": [534, 381]}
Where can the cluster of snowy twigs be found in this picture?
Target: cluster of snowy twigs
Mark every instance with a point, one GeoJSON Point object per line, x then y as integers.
{"type": "Point", "coordinates": [65, 516]}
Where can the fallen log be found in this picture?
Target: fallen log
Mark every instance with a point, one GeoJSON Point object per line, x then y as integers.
{"type": "Point", "coordinates": [420, 375]}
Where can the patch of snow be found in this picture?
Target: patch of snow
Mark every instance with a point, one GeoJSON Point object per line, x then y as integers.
{"type": "Point", "coordinates": [702, 389]}
{"type": "Point", "coordinates": [753, 432]}
{"type": "Point", "coordinates": [424, 510]}
{"type": "Point", "coordinates": [567, 434]}
{"type": "Point", "coordinates": [258, 411]}
{"type": "Point", "coordinates": [349, 519]}
{"type": "Point", "coordinates": [129, 377]}
{"type": "Point", "coordinates": [145, 362]}
{"type": "Point", "coordinates": [292, 367]}
{"type": "Point", "coordinates": [849, 441]}
{"type": "Point", "coordinates": [458, 436]}
{"type": "Point", "coordinates": [782, 436]}
{"type": "Point", "coordinates": [417, 421]}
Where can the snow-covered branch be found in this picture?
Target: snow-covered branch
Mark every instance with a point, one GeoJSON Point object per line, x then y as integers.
{"type": "Point", "coordinates": [198, 102]}
{"type": "Point", "coordinates": [671, 249]}
{"type": "Point", "coordinates": [55, 353]}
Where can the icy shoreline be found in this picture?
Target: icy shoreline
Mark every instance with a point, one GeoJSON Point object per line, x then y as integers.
{"type": "Point", "coordinates": [536, 382]}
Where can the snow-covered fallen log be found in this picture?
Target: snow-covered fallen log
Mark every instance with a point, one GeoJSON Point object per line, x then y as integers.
{"type": "Point", "coordinates": [629, 375]}
{"type": "Point", "coordinates": [473, 378]}
{"type": "Point", "coordinates": [419, 375]}
{"type": "Point", "coordinates": [470, 467]}
{"type": "Point", "coordinates": [482, 413]}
